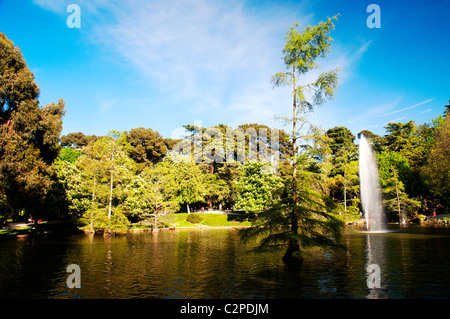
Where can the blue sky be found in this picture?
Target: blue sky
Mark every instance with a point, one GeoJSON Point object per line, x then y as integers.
{"type": "Point", "coordinates": [165, 63]}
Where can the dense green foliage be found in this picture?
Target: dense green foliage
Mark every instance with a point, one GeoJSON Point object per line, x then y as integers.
{"type": "Point", "coordinates": [414, 162]}
{"type": "Point", "coordinates": [29, 136]}
{"type": "Point", "coordinates": [255, 186]}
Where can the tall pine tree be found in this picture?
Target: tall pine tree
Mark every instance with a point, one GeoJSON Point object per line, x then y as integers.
{"type": "Point", "coordinates": [303, 219]}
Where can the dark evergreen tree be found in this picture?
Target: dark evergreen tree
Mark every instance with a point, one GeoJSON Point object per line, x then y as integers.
{"type": "Point", "coordinates": [29, 137]}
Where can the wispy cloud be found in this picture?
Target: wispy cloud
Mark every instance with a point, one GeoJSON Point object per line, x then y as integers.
{"type": "Point", "coordinates": [408, 108]}
{"type": "Point", "coordinates": [211, 58]}
{"type": "Point", "coordinates": [375, 111]}
{"type": "Point", "coordinates": [426, 111]}
{"type": "Point", "coordinates": [397, 120]}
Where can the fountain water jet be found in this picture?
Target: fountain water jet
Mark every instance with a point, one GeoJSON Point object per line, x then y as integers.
{"type": "Point", "coordinates": [370, 187]}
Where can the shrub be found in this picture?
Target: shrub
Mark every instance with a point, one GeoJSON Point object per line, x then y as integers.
{"type": "Point", "coordinates": [117, 223]}
{"type": "Point", "coordinates": [194, 218]}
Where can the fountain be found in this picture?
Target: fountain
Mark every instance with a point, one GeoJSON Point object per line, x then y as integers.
{"type": "Point", "coordinates": [370, 187]}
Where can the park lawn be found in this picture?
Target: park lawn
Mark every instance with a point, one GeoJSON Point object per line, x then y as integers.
{"type": "Point", "coordinates": [209, 219]}
{"type": "Point", "coordinates": [179, 220]}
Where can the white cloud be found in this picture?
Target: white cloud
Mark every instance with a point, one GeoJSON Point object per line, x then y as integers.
{"type": "Point", "coordinates": [397, 120]}
{"type": "Point", "coordinates": [212, 58]}
{"type": "Point", "coordinates": [408, 108]}
{"type": "Point", "coordinates": [375, 110]}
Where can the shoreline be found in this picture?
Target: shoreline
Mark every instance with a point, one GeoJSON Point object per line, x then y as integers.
{"type": "Point", "coordinates": [51, 229]}
{"type": "Point", "coordinates": [132, 230]}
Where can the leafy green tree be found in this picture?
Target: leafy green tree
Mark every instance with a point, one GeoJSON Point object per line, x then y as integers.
{"type": "Point", "coordinates": [113, 154]}
{"type": "Point", "coordinates": [147, 146]}
{"type": "Point", "coordinates": [228, 173]}
{"type": "Point", "coordinates": [76, 186]}
{"type": "Point", "coordinates": [164, 180]}
{"type": "Point", "coordinates": [400, 136]}
{"type": "Point", "coordinates": [344, 151]}
{"type": "Point", "coordinates": [414, 144]}
{"type": "Point", "coordinates": [100, 222]}
{"type": "Point", "coordinates": [105, 169]}
{"type": "Point", "coordinates": [437, 169]}
{"type": "Point", "coordinates": [188, 178]}
{"type": "Point", "coordinates": [90, 184]}
{"type": "Point", "coordinates": [394, 169]}
{"type": "Point", "coordinates": [57, 202]}
{"type": "Point", "coordinates": [344, 188]}
{"type": "Point", "coordinates": [396, 200]}
{"type": "Point", "coordinates": [216, 190]}
{"type": "Point", "coordinates": [255, 186]}
{"type": "Point", "coordinates": [151, 193]}
{"type": "Point", "coordinates": [425, 140]}
{"type": "Point", "coordinates": [141, 198]}
{"type": "Point", "coordinates": [341, 138]}
{"type": "Point", "coordinates": [299, 54]}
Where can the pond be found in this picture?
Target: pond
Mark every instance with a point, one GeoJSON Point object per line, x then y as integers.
{"type": "Point", "coordinates": [213, 263]}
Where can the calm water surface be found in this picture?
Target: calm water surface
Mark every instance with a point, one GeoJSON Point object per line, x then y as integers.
{"type": "Point", "coordinates": [213, 263]}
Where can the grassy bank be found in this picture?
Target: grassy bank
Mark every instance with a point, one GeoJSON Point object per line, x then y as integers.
{"type": "Point", "coordinates": [211, 220]}
{"type": "Point", "coordinates": [21, 232]}
{"type": "Point", "coordinates": [180, 220]}
{"type": "Point", "coordinates": [16, 231]}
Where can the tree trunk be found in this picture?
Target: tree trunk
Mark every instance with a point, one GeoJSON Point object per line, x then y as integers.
{"type": "Point", "coordinates": [110, 194]}
{"type": "Point", "coordinates": [155, 228]}
{"type": "Point", "coordinates": [111, 185]}
{"type": "Point", "coordinates": [210, 203]}
{"type": "Point", "coordinates": [292, 254]}
{"type": "Point", "coordinates": [93, 204]}
{"type": "Point", "coordinates": [398, 200]}
{"type": "Point", "coordinates": [345, 192]}
{"type": "Point", "coordinates": [188, 209]}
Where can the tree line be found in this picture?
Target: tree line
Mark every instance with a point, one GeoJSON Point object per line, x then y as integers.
{"type": "Point", "coordinates": [133, 176]}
